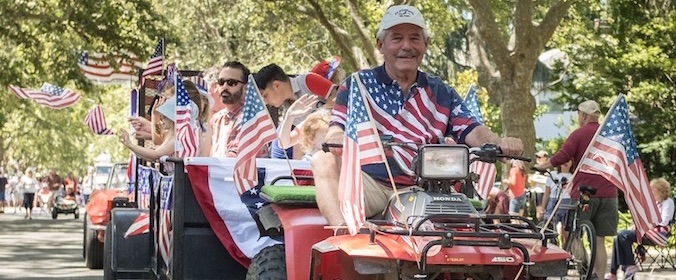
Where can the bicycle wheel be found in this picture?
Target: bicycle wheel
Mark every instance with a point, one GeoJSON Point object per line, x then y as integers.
{"type": "Point", "coordinates": [582, 245]}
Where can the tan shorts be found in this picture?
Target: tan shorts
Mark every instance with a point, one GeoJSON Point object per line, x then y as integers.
{"type": "Point", "coordinates": [376, 195]}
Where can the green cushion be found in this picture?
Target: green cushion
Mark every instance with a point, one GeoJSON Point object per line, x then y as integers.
{"type": "Point", "coordinates": [289, 194]}
{"type": "Point", "coordinates": [478, 205]}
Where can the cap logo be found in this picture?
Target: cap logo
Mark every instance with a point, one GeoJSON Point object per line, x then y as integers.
{"type": "Point", "coordinates": [404, 13]}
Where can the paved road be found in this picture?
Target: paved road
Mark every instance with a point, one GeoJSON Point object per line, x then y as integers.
{"type": "Point", "coordinates": [42, 248]}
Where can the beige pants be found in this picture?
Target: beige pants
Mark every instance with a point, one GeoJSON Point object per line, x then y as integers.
{"type": "Point", "coordinates": [377, 195]}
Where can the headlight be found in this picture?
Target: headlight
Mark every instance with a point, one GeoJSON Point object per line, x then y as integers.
{"type": "Point", "coordinates": [444, 161]}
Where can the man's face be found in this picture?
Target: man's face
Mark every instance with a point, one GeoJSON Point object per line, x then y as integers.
{"type": "Point", "coordinates": [273, 94]}
{"type": "Point", "coordinates": [230, 86]}
{"type": "Point", "coordinates": [403, 48]}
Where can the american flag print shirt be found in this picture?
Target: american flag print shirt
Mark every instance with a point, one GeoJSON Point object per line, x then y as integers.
{"type": "Point", "coordinates": [430, 111]}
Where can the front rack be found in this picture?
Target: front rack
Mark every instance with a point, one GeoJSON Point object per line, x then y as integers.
{"type": "Point", "coordinates": [466, 225]}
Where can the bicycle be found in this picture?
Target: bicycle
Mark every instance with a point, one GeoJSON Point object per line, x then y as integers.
{"type": "Point", "coordinates": [581, 239]}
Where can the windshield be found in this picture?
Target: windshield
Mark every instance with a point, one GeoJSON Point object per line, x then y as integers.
{"type": "Point", "coordinates": [120, 179]}
{"type": "Point", "coordinates": [101, 176]}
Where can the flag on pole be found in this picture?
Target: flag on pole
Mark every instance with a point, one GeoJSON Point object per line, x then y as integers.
{"type": "Point", "coordinates": [185, 134]}
{"type": "Point", "coordinates": [96, 121]}
{"type": "Point", "coordinates": [613, 155]}
{"type": "Point", "coordinates": [48, 95]}
{"type": "Point", "coordinates": [486, 171]}
{"type": "Point", "coordinates": [360, 146]}
{"type": "Point", "coordinates": [256, 131]}
{"type": "Point", "coordinates": [97, 67]}
{"type": "Point", "coordinates": [156, 62]}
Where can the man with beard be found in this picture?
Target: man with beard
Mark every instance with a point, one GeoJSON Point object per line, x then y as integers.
{"type": "Point", "coordinates": [226, 123]}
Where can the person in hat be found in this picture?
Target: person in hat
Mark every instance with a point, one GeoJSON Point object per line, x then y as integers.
{"type": "Point", "coordinates": [306, 91]}
{"type": "Point", "coordinates": [602, 206]}
{"type": "Point", "coordinates": [167, 119]}
{"type": "Point", "coordinates": [330, 70]}
{"type": "Point", "coordinates": [407, 104]}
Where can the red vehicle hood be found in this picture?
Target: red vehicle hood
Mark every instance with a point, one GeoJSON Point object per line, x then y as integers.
{"type": "Point", "coordinates": [98, 207]}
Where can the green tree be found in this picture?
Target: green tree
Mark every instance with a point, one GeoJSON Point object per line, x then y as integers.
{"type": "Point", "coordinates": [628, 47]}
{"type": "Point", "coordinates": [41, 43]}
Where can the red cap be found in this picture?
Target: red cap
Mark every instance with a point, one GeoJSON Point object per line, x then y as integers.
{"type": "Point", "coordinates": [326, 68]}
{"type": "Point", "coordinates": [315, 84]}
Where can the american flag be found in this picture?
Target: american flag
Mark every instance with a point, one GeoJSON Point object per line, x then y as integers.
{"type": "Point", "coordinates": [140, 226]}
{"type": "Point", "coordinates": [185, 134]}
{"type": "Point", "coordinates": [164, 234]}
{"type": "Point", "coordinates": [485, 170]}
{"type": "Point", "coordinates": [361, 146]}
{"type": "Point", "coordinates": [48, 95]}
{"type": "Point", "coordinates": [96, 121]}
{"type": "Point", "coordinates": [613, 155]}
{"type": "Point", "coordinates": [97, 67]}
{"type": "Point", "coordinates": [256, 131]}
{"type": "Point", "coordinates": [156, 62]}
{"type": "Point", "coordinates": [200, 83]}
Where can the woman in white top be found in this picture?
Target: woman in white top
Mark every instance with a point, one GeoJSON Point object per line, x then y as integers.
{"type": "Point", "coordinates": [29, 184]}
{"type": "Point", "coordinates": [623, 255]}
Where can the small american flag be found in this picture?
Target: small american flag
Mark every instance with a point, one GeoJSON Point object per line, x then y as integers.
{"type": "Point", "coordinates": [156, 62]}
{"type": "Point", "coordinates": [256, 131]}
{"type": "Point", "coordinates": [485, 170]}
{"type": "Point", "coordinates": [164, 234]}
{"type": "Point", "coordinates": [185, 134]}
{"type": "Point", "coordinates": [48, 95]}
{"type": "Point", "coordinates": [613, 155]}
{"type": "Point", "coordinates": [361, 146]}
{"type": "Point", "coordinates": [97, 68]}
{"type": "Point", "coordinates": [96, 121]}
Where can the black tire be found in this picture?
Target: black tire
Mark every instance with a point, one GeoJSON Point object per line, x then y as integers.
{"type": "Point", "coordinates": [84, 237]}
{"type": "Point", "coordinates": [269, 264]}
{"type": "Point", "coordinates": [584, 256]}
{"type": "Point", "coordinates": [93, 249]}
{"type": "Point", "coordinates": [108, 273]}
{"type": "Point", "coordinates": [55, 214]}
{"type": "Point", "coordinates": [77, 213]}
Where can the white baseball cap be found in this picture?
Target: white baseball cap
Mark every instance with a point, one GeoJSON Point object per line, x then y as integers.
{"type": "Point", "coordinates": [590, 107]}
{"type": "Point", "coordinates": [400, 14]}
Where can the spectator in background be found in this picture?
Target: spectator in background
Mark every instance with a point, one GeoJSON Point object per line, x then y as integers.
{"type": "Point", "coordinates": [54, 183]}
{"type": "Point", "coordinates": [87, 185]}
{"type": "Point", "coordinates": [602, 206]}
{"type": "Point", "coordinates": [623, 256]}
{"type": "Point", "coordinates": [3, 189]}
{"type": "Point", "coordinates": [29, 185]}
{"type": "Point", "coordinates": [227, 122]}
{"type": "Point", "coordinates": [516, 183]}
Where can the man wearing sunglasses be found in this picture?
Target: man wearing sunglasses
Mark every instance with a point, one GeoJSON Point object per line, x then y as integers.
{"type": "Point", "coordinates": [226, 123]}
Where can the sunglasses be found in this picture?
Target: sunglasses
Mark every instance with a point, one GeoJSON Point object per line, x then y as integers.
{"type": "Point", "coordinates": [230, 82]}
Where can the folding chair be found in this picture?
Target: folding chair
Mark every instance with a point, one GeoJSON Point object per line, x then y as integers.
{"type": "Point", "coordinates": [661, 255]}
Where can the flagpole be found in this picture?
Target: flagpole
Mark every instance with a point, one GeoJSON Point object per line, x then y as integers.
{"type": "Point", "coordinates": [293, 176]}
{"type": "Point", "coordinates": [577, 168]}
{"type": "Point", "coordinates": [398, 204]}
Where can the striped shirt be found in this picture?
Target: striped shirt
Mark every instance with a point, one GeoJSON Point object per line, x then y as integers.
{"type": "Point", "coordinates": [430, 111]}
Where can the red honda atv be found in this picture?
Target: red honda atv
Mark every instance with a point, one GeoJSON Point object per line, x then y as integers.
{"type": "Point", "coordinates": [433, 233]}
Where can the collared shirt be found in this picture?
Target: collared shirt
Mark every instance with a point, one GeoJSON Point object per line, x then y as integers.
{"type": "Point", "coordinates": [573, 149]}
{"type": "Point", "coordinates": [428, 112]}
{"type": "Point", "coordinates": [226, 125]}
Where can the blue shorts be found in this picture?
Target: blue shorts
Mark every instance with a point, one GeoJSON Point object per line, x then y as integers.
{"type": "Point", "coordinates": [515, 204]}
{"type": "Point", "coordinates": [560, 215]}
{"type": "Point", "coordinates": [2, 195]}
